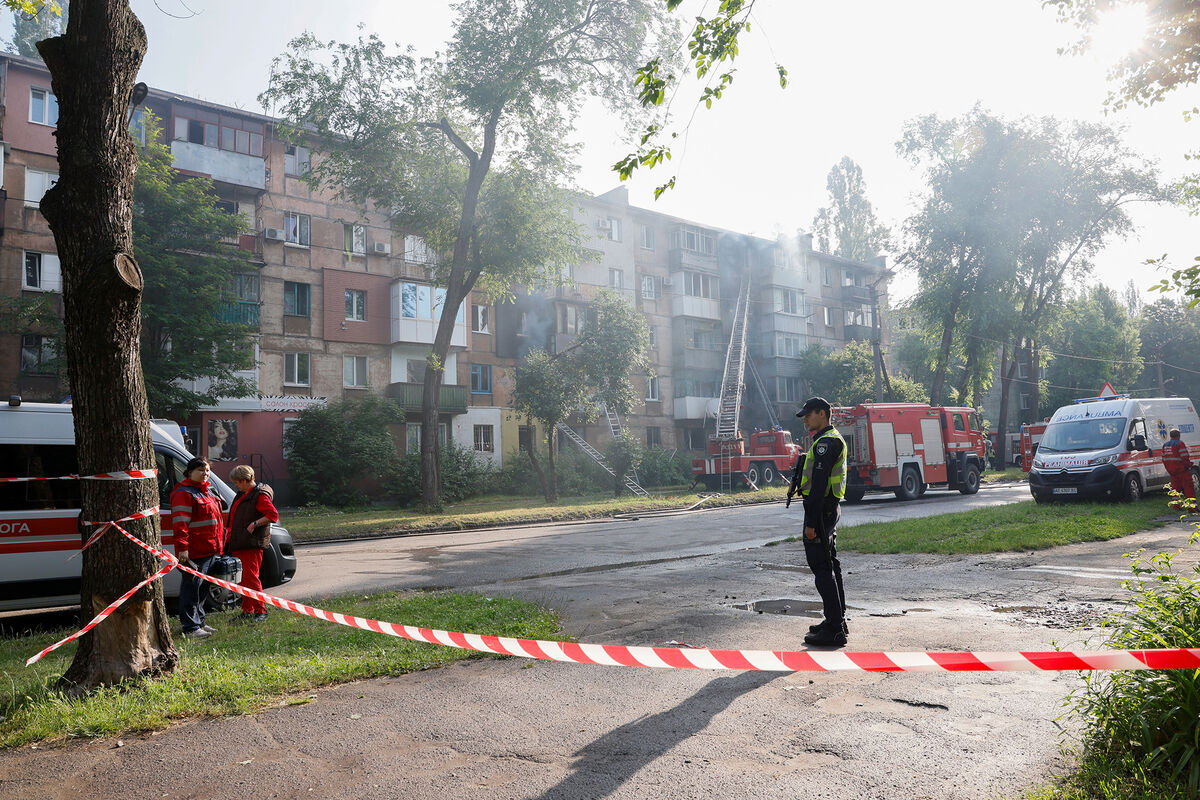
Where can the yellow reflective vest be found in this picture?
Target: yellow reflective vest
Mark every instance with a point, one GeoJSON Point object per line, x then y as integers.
{"type": "Point", "coordinates": [837, 475]}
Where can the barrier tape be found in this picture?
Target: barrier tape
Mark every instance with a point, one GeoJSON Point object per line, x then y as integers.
{"type": "Point", "coordinates": [149, 512]}
{"type": "Point", "coordinates": [697, 658]}
{"type": "Point", "coordinates": [131, 475]}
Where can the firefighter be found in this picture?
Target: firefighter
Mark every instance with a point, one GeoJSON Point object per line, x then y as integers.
{"type": "Point", "coordinates": [820, 478]}
{"type": "Point", "coordinates": [1179, 465]}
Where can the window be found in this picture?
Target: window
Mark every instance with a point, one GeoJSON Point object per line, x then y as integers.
{"type": "Point", "coordinates": [616, 279]}
{"type": "Point", "coordinates": [43, 107]}
{"type": "Point", "coordinates": [652, 389]}
{"type": "Point", "coordinates": [648, 288]}
{"type": "Point", "coordinates": [827, 275]}
{"type": "Point", "coordinates": [416, 370]}
{"type": "Point", "coordinates": [483, 439]}
{"type": "Point", "coordinates": [37, 183]}
{"type": "Point", "coordinates": [829, 316]}
{"type": "Point", "coordinates": [295, 369]}
{"type": "Point", "coordinates": [137, 125]}
{"type": "Point", "coordinates": [701, 284]}
{"type": "Point", "coordinates": [295, 160]}
{"type": "Point", "coordinates": [417, 251]}
{"type": "Point", "coordinates": [609, 228]}
{"type": "Point", "coordinates": [697, 439]}
{"type": "Point", "coordinates": [421, 301]}
{"type": "Point", "coordinates": [196, 131]}
{"type": "Point", "coordinates": [788, 301]}
{"type": "Point", "coordinates": [412, 436]}
{"type": "Point", "coordinates": [481, 379]}
{"type": "Point", "coordinates": [296, 298]}
{"type": "Point", "coordinates": [780, 257]}
{"type": "Point", "coordinates": [37, 353]}
{"type": "Point", "coordinates": [569, 319]}
{"type": "Point", "coordinates": [246, 286]}
{"type": "Point", "coordinates": [647, 237]}
{"type": "Point", "coordinates": [521, 324]}
{"type": "Point", "coordinates": [699, 335]}
{"type": "Point", "coordinates": [39, 461]}
{"type": "Point", "coordinates": [1024, 401]}
{"type": "Point", "coordinates": [42, 272]}
{"type": "Point", "coordinates": [296, 228]}
{"type": "Point", "coordinates": [787, 346]}
{"type": "Point", "coordinates": [208, 128]}
{"type": "Point", "coordinates": [354, 371]}
{"type": "Point", "coordinates": [788, 390]}
{"type": "Point", "coordinates": [694, 239]}
{"type": "Point", "coordinates": [356, 305]}
{"type": "Point", "coordinates": [355, 239]}
{"type": "Point", "coordinates": [524, 438]}
{"type": "Point", "coordinates": [959, 425]}
{"type": "Point", "coordinates": [652, 333]}
{"type": "Point", "coordinates": [479, 319]}
{"type": "Point", "coordinates": [653, 436]}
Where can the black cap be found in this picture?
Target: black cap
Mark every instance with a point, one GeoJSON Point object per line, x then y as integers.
{"type": "Point", "coordinates": [814, 404]}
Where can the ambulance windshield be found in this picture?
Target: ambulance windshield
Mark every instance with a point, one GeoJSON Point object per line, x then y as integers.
{"type": "Point", "coordinates": [1084, 434]}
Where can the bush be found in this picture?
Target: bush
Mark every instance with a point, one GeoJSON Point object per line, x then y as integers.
{"type": "Point", "coordinates": [623, 455]}
{"type": "Point", "coordinates": [664, 468]}
{"type": "Point", "coordinates": [577, 473]}
{"type": "Point", "coordinates": [464, 475]}
{"type": "Point", "coordinates": [1142, 724]}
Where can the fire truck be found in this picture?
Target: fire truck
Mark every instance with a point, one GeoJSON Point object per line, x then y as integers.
{"type": "Point", "coordinates": [772, 454]}
{"type": "Point", "coordinates": [1031, 435]}
{"type": "Point", "coordinates": [907, 447]}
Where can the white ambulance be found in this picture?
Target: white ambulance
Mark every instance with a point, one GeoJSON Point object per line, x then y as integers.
{"type": "Point", "coordinates": [1111, 448]}
{"type": "Point", "coordinates": [38, 519]}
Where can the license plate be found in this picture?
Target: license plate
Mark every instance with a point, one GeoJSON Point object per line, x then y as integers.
{"type": "Point", "coordinates": [1065, 490]}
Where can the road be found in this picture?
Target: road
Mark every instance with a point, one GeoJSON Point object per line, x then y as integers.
{"type": "Point", "coordinates": [518, 729]}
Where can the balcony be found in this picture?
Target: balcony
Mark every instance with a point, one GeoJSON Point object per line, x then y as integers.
{"type": "Point", "coordinates": [857, 295]}
{"type": "Point", "coordinates": [225, 166]}
{"type": "Point", "coordinates": [683, 305]}
{"type": "Point", "coordinates": [862, 333]}
{"type": "Point", "coordinates": [692, 407]}
{"type": "Point", "coordinates": [240, 313]}
{"type": "Point", "coordinates": [679, 259]}
{"type": "Point", "coordinates": [451, 399]}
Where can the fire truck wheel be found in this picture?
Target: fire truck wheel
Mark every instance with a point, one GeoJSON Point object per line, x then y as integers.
{"type": "Point", "coordinates": [855, 495]}
{"type": "Point", "coordinates": [910, 485]}
{"type": "Point", "coordinates": [769, 475]}
{"type": "Point", "coordinates": [754, 475]}
{"type": "Point", "coordinates": [970, 481]}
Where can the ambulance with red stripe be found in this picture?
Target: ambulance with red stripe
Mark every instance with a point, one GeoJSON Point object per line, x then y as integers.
{"type": "Point", "coordinates": [1110, 448]}
{"type": "Point", "coordinates": [38, 519]}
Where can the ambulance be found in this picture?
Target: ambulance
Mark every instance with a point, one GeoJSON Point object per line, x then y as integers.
{"type": "Point", "coordinates": [1110, 448]}
{"type": "Point", "coordinates": [38, 519]}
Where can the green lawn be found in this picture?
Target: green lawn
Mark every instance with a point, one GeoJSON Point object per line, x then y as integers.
{"type": "Point", "coordinates": [308, 525]}
{"type": "Point", "coordinates": [1004, 476]}
{"type": "Point", "coordinates": [1017, 526]}
{"type": "Point", "coordinates": [249, 666]}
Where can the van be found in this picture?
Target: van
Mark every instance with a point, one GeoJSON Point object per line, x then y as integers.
{"type": "Point", "coordinates": [1110, 448]}
{"type": "Point", "coordinates": [38, 519]}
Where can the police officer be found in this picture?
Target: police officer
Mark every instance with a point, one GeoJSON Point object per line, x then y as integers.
{"type": "Point", "coordinates": [820, 477]}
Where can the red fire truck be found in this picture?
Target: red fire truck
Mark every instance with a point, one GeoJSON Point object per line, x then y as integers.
{"type": "Point", "coordinates": [1031, 435]}
{"type": "Point", "coordinates": [907, 447]}
{"type": "Point", "coordinates": [771, 457]}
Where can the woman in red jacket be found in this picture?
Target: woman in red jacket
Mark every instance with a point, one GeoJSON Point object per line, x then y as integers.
{"type": "Point", "coordinates": [250, 519]}
{"type": "Point", "coordinates": [199, 538]}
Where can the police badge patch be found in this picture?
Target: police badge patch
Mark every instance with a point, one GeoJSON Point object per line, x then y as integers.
{"type": "Point", "coordinates": [821, 449]}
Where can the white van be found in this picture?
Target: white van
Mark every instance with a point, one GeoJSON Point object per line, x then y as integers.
{"type": "Point", "coordinates": [1111, 448]}
{"type": "Point", "coordinates": [38, 519]}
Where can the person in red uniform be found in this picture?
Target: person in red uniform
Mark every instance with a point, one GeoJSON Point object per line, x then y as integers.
{"type": "Point", "coordinates": [1179, 465]}
{"type": "Point", "coordinates": [250, 519]}
{"type": "Point", "coordinates": [196, 520]}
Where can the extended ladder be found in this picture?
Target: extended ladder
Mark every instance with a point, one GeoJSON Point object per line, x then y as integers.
{"type": "Point", "coordinates": [735, 369]}
{"type": "Point", "coordinates": [614, 428]}
{"type": "Point", "coordinates": [630, 484]}
{"type": "Point", "coordinates": [772, 420]}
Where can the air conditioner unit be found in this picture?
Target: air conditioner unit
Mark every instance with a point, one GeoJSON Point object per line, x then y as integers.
{"type": "Point", "coordinates": [381, 248]}
{"type": "Point", "coordinates": [274, 234]}
{"type": "Point", "coordinates": [668, 282]}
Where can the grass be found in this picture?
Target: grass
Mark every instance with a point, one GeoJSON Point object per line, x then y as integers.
{"type": "Point", "coordinates": [1004, 476]}
{"type": "Point", "coordinates": [248, 667]}
{"type": "Point", "coordinates": [1101, 779]}
{"type": "Point", "coordinates": [322, 524]}
{"type": "Point", "coordinates": [1017, 526]}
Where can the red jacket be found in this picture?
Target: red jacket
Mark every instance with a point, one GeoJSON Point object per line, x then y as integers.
{"type": "Point", "coordinates": [196, 519]}
{"type": "Point", "coordinates": [1175, 456]}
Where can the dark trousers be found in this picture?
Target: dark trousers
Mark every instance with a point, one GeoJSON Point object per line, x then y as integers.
{"type": "Point", "coordinates": [827, 570]}
{"type": "Point", "coordinates": [192, 590]}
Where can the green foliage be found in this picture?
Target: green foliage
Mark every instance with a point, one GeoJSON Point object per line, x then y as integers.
{"type": "Point", "coordinates": [661, 467]}
{"type": "Point", "coordinates": [1170, 334]}
{"type": "Point", "coordinates": [848, 227]}
{"type": "Point", "coordinates": [846, 377]}
{"type": "Point", "coordinates": [332, 452]}
{"type": "Point", "coordinates": [1100, 343]}
{"type": "Point", "coordinates": [624, 454]}
{"type": "Point", "coordinates": [576, 475]}
{"type": "Point", "coordinates": [464, 475]}
{"type": "Point", "coordinates": [190, 330]}
{"type": "Point", "coordinates": [1145, 721]}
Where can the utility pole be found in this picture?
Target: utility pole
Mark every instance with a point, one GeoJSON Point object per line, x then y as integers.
{"type": "Point", "coordinates": [881, 378]}
{"type": "Point", "coordinates": [1162, 386]}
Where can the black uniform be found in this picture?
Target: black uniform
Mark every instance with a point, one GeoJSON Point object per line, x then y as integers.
{"type": "Point", "coordinates": [822, 512]}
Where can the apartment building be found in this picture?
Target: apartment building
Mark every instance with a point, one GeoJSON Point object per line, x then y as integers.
{"type": "Point", "coordinates": [342, 304]}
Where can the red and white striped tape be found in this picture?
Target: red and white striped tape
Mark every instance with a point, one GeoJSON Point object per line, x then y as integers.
{"type": "Point", "coordinates": [149, 512]}
{"type": "Point", "coordinates": [131, 475]}
{"type": "Point", "coordinates": [698, 658]}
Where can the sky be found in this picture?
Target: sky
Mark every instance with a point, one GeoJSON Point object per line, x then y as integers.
{"type": "Point", "coordinates": [757, 161]}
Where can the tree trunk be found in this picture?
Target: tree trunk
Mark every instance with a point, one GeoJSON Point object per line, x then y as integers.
{"type": "Point", "coordinates": [939, 373]}
{"type": "Point", "coordinates": [1035, 391]}
{"type": "Point", "coordinates": [552, 463]}
{"type": "Point", "coordinates": [537, 465]}
{"type": "Point", "coordinates": [93, 67]}
{"type": "Point", "coordinates": [1007, 370]}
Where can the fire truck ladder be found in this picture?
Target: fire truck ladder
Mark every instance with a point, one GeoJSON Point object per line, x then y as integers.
{"type": "Point", "coordinates": [630, 484]}
{"type": "Point", "coordinates": [762, 391]}
{"type": "Point", "coordinates": [614, 427]}
{"type": "Point", "coordinates": [735, 370]}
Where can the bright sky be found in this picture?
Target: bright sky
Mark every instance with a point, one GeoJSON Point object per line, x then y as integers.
{"type": "Point", "coordinates": [757, 161]}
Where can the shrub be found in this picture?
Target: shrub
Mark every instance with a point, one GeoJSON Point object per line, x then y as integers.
{"type": "Point", "coordinates": [464, 474]}
{"type": "Point", "coordinates": [623, 455]}
{"type": "Point", "coordinates": [664, 468]}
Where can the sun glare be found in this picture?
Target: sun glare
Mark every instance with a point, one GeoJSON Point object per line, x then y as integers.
{"type": "Point", "coordinates": [1118, 33]}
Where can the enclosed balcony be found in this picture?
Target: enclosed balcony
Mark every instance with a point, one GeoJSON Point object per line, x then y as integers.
{"type": "Point", "coordinates": [451, 399]}
{"type": "Point", "coordinates": [226, 166]}
{"type": "Point", "coordinates": [240, 313]}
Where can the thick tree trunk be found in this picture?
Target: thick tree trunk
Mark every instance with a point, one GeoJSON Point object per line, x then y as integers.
{"type": "Point", "coordinates": [533, 459]}
{"type": "Point", "coordinates": [1007, 371]}
{"type": "Point", "coordinates": [939, 374]}
{"type": "Point", "coordinates": [93, 67]}
{"type": "Point", "coordinates": [1035, 392]}
{"type": "Point", "coordinates": [551, 461]}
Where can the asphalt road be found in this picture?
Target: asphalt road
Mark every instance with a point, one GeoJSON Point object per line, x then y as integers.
{"type": "Point", "coordinates": [518, 729]}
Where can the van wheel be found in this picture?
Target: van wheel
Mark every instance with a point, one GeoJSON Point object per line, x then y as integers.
{"type": "Point", "coordinates": [910, 485]}
{"type": "Point", "coordinates": [1133, 488]}
{"type": "Point", "coordinates": [970, 480]}
{"type": "Point", "coordinates": [769, 474]}
{"type": "Point", "coordinates": [1196, 482]}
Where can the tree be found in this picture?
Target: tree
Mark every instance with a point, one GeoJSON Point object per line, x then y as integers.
{"type": "Point", "coordinates": [468, 147]}
{"type": "Point", "coordinates": [93, 66]}
{"type": "Point", "coordinates": [32, 26]}
{"type": "Point", "coordinates": [333, 451]}
{"type": "Point", "coordinates": [189, 330]}
{"type": "Point", "coordinates": [846, 377]}
{"type": "Point", "coordinates": [1169, 330]}
{"type": "Point", "coordinates": [848, 227]}
{"type": "Point", "coordinates": [1095, 341]}
{"type": "Point", "coordinates": [624, 454]}
{"type": "Point", "coordinates": [598, 369]}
